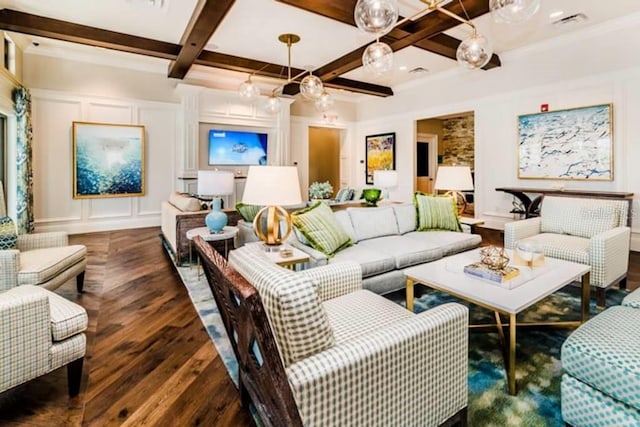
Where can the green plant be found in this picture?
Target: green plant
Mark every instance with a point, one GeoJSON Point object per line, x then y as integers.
{"type": "Point", "coordinates": [320, 190]}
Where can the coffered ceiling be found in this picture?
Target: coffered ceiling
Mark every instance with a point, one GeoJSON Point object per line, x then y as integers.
{"type": "Point", "coordinates": [224, 40]}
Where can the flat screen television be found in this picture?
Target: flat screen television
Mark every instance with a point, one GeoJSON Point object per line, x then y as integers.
{"type": "Point", "coordinates": [230, 147]}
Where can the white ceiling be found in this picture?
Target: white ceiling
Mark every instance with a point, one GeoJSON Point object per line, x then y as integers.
{"type": "Point", "coordinates": [251, 30]}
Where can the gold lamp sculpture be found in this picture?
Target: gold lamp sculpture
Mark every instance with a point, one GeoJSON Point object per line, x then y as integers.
{"type": "Point", "coordinates": [272, 187]}
{"type": "Point", "coordinates": [455, 179]}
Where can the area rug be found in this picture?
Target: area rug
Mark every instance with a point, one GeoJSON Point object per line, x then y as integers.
{"type": "Point", "coordinates": [538, 368]}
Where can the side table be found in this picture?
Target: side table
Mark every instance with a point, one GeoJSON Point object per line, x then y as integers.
{"type": "Point", "coordinates": [228, 233]}
{"type": "Point", "coordinates": [296, 258]}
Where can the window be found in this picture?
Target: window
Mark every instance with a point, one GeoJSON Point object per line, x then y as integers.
{"type": "Point", "coordinates": [9, 54]}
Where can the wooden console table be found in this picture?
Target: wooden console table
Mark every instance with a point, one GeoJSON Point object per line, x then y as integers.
{"type": "Point", "coordinates": [532, 206]}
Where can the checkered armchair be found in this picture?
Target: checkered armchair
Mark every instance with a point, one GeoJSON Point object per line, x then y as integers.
{"type": "Point", "coordinates": [40, 332]}
{"type": "Point", "coordinates": [43, 259]}
{"type": "Point", "coordinates": [587, 231]}
{"type": "Point", "coordinates": [352, 357]}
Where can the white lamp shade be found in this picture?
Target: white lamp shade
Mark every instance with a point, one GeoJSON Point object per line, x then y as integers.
{"type": "Point", "coordinates": [215, 183]}
{"type": "Point", "coordinates": [455, 178]}
{"type": "Point", "coordinates": [385, 178]}
{"type": "Point", "coordinates": [272, 186]}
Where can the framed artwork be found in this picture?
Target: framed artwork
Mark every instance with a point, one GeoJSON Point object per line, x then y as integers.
{"type": "Point", "coordinates": [381, 153]}
{"type": "Point", "coordinates": [572, 144]}
{"type": "Point", "coordinates": [108, 160]}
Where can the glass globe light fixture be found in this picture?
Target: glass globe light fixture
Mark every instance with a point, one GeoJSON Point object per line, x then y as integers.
{"type": "Point", "coordinates": [324, 102]}
{"type": "Point", "coordinates": [378, 58]}
{"type": "Point", "coordinates": [513, 11]}
{"type": "Point", "coordinates": [311, 87]}
{"type": "Point", "coordinates": [376, 16]}
{"type": "Point", "coordinates": [248, 90]}
{"type": "Point", "coordinates": [273, 105]}
{"type": "Point", "coordinates": [474, 52]}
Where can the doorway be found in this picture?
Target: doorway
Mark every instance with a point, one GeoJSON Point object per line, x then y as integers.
{"type": "Point", "coordinates": [324, 156]}
{"type": "Point", "coordinates": [426, 160]}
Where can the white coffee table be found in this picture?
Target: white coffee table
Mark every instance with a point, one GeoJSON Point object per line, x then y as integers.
{"type": "Point", "coordinates": [228, 233]}
{"type": "Point", "coordinates": [534, 284]}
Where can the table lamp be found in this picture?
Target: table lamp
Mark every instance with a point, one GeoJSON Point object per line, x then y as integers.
{"type": "Point", "coordinates": [215, 184]}
{"type": "Point", "coordinates": [272, 187]}
{"type": "Point", "coordinates": [455, 179]}
{"type": "Point", "coordinates": [385, 179]}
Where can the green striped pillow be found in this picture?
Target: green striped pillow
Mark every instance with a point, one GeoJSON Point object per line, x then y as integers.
{"type": "Point", "coordinates": [436, 213]}
{"type": "Point", "coordinates": [318, 225]}
{"type": "Point", "coordinates": [247, 212]}
{"type": "Point", "coordinates": [8, 235]}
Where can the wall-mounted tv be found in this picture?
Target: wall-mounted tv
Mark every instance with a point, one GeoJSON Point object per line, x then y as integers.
{"type": "Point", "coordinates": [230, 147]}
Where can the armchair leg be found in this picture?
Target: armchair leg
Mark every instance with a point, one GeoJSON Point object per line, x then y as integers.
{"type": "Point", "coordinates": [623, 283]}
{"type": "Point", "coordinates": [601, 297]}
{"type": "Point", "coordinates": [80, 282]}
{"type": "Point", "coordinates": [74, 376]}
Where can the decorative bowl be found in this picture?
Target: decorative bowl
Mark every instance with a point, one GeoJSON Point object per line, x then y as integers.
{"type": "Point", "coordinates": [371, 196]}
{"type": "Point", "coordinates": [494, 257]}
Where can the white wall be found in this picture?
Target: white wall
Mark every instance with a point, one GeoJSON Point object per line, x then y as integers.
{"type": "Point", "coordinates": [578, 70]}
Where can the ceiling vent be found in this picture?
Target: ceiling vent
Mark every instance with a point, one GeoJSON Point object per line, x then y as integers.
{"type": "Point", "coordinates": [576, 18]}
{"type": "Point", "coordinates": [418, 70]}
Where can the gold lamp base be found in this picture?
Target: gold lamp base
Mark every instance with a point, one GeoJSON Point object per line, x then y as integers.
{"type": "Point", "coordinates": [272, 236]}
{"type": "Point", "coordinates": [461, 201]}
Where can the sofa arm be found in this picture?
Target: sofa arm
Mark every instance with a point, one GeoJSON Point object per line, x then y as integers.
{"type": "Point", "coordinates": [609, 256]}
{"type": "Point", "coordinates": [335, 280]}
{"type": "Point", "coordinates": [27, 242]}
{"type": "Point", "coordinates": [426, 355]}
{"type": "Point", "coordinates": [517, 230]}
{"type": "Point", "coordinates": [9, 267]}
{"type": "Point", "coordinates": [25, 331]}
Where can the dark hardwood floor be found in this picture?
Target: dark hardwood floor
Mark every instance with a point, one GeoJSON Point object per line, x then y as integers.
{"type": "Point", "coordinates": [149, 360]}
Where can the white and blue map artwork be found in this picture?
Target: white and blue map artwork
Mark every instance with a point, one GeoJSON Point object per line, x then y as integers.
{"type": "Point", "coordinates": [567, 144]}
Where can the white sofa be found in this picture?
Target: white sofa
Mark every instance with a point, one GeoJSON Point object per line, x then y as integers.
{"type": "Point", "coordinates": [587, 231]}
{"type": "Point", "coordinates": [386, 242]}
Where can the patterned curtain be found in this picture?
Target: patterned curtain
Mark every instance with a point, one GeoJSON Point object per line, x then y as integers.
{"type": "Point", "coordinates": [24, 178]}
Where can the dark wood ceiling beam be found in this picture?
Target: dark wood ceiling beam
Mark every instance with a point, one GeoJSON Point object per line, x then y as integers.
{"type": "Point", "coordinates": [204, 21]}
{"type": "Point", "coordinates": [26, 23]}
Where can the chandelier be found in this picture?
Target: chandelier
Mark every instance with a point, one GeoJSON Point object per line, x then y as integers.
{"type": "Point", "coordinates": [378, 17]}
{"type": "Point", "coordinates": [311, 86]}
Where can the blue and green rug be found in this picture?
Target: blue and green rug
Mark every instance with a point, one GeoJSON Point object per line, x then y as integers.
{"type": "Point", "coordinates": [538, 368]}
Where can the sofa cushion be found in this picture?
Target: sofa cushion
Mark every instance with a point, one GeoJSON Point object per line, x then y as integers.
{"type": "Point", "coordinates": [184, 202]}
{"type": "Point", "coordinates": [8, 233]}
{"type": "Point", "coordinates": [450, 242]}
{"type": "Point", "coordinates": [436, 213]}
{"type": "Point", "coordinates": [633, 299]}
{"type": "Point", "coordinates": [344, 220]}
{"type": "Point", "coordinates": [41, 265]}
{"type": "Point", "coordinates": [562, 246]}
{"type": "Point", "coordinates": [405, 217]}
{"type": "Point", "coordinates": [361, 312]}
{"type": "Point", "coordinates": [373, 222]}
{"type": "Point", "coordinates": [67, 318]}
{"type": "Point", "coordinates": [603, 354]}
{"type": "Point", "coordinates": [577, 217]}
{"type": "Point", "coordinates": [321, 229]}
{"type": "Point", "coordinates": [372, 262]}
{"type": "Point", "coordinates": [405, 251]}
{"type": "Point", "coordinates": [297, 318]}
{"type": "Point", "coordinates": [247, 212]}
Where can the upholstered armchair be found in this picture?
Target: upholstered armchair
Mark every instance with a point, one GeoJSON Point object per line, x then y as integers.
{"type": "Point", "coordinates": [586, 231]}
{"type": "Point", "coordinates": [40, 332]}
{"type": "Point", "coordinates": [315, 349]}
{"type": "Point", "coordinates": [43, 259]}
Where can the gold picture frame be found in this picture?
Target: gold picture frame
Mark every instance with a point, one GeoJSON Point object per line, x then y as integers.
{"type": "Point", "coordinates": [108, 160]}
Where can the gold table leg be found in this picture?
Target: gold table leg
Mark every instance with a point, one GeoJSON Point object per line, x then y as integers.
{"type": "Point", "coordinates": [586, 297]}
{"type": "Point", "coordinates": [409, 294]}
{"type": "Point", "coordinates": [512, 355]}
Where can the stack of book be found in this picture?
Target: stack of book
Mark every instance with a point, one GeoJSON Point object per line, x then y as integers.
{"type": "Point", "coordinates": [482, 271]}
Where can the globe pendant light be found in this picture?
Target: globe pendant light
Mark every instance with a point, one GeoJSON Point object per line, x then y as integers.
{"type": "Point", "coordinates": [324, 102]}
{"type": "Point", "coordinates": [513, 11]}
{"type": "Point", "coordinates": [378, 58]}
{"type": "Point", "coordinates": [248, 90]}
{"type": "Point", "coordinates": [273, 105]}
{"type": "Point", "coordinates": [376, 16]}
{"type": "Point", "coordinates": [474, 52]}
{"type": "Point", "coordinates": [311, 87]}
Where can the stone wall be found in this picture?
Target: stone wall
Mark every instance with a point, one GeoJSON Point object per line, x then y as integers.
{"type": "Point", "coordinates": [458, 140]}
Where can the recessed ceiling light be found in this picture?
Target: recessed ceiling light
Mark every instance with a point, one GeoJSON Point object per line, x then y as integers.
{"type": "Point", "coordinates": [402, 68]}
{"type": "Point", "coordinates": [555, 14]}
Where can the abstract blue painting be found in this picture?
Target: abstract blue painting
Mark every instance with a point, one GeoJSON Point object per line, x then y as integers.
{"type": "Point", "coordinates": [572, 144]}
{"type": "Point", "coordinates": [108, 160]}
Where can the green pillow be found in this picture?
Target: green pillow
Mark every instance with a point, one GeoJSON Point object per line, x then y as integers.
{"type": "Point", "coordinates": [436, 212]}
{"type": "Point", "coordinates": [247, 212]}
{"type": "Point", "coordinates": [318, 225]}
{"type": "Point", "coordinates": [8, 234]}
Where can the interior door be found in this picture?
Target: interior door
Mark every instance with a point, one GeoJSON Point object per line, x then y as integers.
{"type": "Point", "coordinates": [426, 160]}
